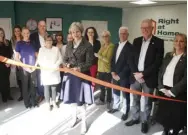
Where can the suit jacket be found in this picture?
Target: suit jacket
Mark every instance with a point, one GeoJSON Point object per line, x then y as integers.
{"type": "Point", "coordinates": [180, 74]}
{"type": "Point", "coordinates": [34, 37]}
{"type": "Point", "coordinates": [82, 57]}
{"type": "Point", "coordinates": [153, 60]}
{"type": "Point", "coordinates": [121, 67]}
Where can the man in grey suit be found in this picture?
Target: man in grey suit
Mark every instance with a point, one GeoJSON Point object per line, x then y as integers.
{"type": "Point", "coordinates": [145, 61]}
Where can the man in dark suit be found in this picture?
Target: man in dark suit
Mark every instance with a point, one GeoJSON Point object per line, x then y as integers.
{"type": "Point", "coordinates": [145, 61]}
{"type": "Point", "coordinates": [121, 72]}
{"type": "Point", "coordinates": [37, 38]}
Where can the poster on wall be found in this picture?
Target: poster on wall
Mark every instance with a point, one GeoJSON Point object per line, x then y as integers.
{"type": "Point", "coordinates": [166, 28]}
{"type": "Point", "coordinates": [54, 24]}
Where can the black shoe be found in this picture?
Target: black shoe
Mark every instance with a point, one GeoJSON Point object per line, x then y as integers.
{"type": "Point", "coordinates": [124, 117]}
{"type": "Point", "coordinates": [4, 100]}
{"type": "Point", "coordinates": [40, 99]}
{"type": "Point", "coordinates": [144, 128]}
{"type": "Point", "coordinates": [36, 105]}
{"type": "Point", "coordinates": [166, 133]}
{"type": "Point", "coordinates": [10, 98]}
{"type": "Point", "coordinates": [28, 106]}
{"type": "Point", "coordinates": [113, 111]}
{"type": "Point", "coordinates": [132, 122]}
{"type": "Point", "coordinates": [50, 107]}
{"type": "Point", "coordinates": [20, 98]}
{"type": "Point", "coordinates": [56, 105]}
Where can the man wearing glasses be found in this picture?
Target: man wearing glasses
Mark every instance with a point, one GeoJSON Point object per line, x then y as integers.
{"type": "Point", "coordinates": [145, 61]}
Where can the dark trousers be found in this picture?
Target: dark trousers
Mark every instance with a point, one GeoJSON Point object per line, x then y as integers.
{"type": "Point", "coordinates": [40, 87]}
{"type": "Point", "coordinates": [105, 77]}
{"type": "Point", "coordinates": [8, 81]}
{"type": "Point", "coordinates": [28, 88]}
{"type": "Point", "coordinates": [50, 91]}
{"type": "Point", "coordinates": [126, 96]}
{"type": "Point", "coordinates": [5, 83]}
{"type": "Point", "coordinates": [19, 82]}
{"type": "Point", "coordinates": [60, 84]}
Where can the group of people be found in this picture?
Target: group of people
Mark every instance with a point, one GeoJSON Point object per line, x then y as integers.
{"type": "Point", "coordinates": [139, 66]}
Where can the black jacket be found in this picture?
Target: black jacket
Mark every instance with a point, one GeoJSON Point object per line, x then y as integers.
{"type": "Point", "coordinates": [121, 67]}
{"type": "Point", "coordinates": [96, 48]}
{"type": "Point", "coordinates": [180, 74]}
{"type": "Point", "coordinates": [34, 37]}
{"type": "Point", "coordinates": [153, 60]}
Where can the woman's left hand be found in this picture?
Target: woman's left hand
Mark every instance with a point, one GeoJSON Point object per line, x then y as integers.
{"type": "Point", "coordinates": [96, 55]}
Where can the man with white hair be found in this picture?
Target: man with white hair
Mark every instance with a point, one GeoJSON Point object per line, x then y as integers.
{"type": "Point", "coordinates": [121, 72]}
{"type": "Point", "coordinates": [147, 55]}
{"type": "Point", "coordinates": [37, 38]}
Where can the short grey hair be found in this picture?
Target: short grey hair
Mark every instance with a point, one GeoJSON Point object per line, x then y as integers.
{"type": "Point", "coordinates": [149, 21]}
{"type": "Point", "coordinates": [76, 25]}
{"type": "Point", "coordinates": [123, 28]}
{"type": "Point", "coordinates": [106, 32]}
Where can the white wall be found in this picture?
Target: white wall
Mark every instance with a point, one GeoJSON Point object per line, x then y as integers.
{"type": "Point", "coordinates": [132, 18]}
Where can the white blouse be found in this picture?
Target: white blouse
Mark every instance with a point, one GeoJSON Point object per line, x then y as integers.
{"type": "Point", "coordinates": [50, 58]}
{"type": "Point", "coordinates": [169, 73]}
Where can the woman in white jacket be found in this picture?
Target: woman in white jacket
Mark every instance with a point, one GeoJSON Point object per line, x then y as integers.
{"type": "Point", "coordinates": [50, 57]}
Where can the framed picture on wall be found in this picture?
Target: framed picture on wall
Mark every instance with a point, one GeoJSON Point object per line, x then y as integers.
{"type": "Point", "coordinates": [54, 24]}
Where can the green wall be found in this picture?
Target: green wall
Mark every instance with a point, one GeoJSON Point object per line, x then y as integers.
{"type": "Point", "coordinates": [69, 13]}
{"type": "Point", "coordinates": [20, 12]}
{"type": "Point", "coordinates": [7, 10]}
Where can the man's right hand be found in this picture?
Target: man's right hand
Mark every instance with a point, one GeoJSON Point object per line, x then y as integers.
{"type": "Point", "coordinates": [115, 76]}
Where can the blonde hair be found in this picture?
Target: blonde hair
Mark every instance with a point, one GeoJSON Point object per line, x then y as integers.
{"type": "Point", "coordinates": [4, 38]}
{"type": "Point", "coordinates": [25, 28]}
{"type": "Point", "coordinates": [106, 32]}
{"type": "Point", "coordinates": [76, 25]}
{"type": "Point", "coordinates": [185, 41]}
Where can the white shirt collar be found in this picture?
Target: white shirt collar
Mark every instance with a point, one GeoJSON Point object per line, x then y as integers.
{"type": "Point", "coordinates": [123, 42]}
{"type": "Point", "coordinates": [77, 44]}
{"type": "Point", "coordinates": [148, 40]}
{"type": "Point", "coordinates": [179, 55]}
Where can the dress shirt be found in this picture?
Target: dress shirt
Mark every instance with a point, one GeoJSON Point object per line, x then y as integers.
{"type": "Point", "coordinates": [142, 56]}
{"type": "Point", "coordinates": [42, 41]}
{"type": "Point", "coordinates": [120, 48]}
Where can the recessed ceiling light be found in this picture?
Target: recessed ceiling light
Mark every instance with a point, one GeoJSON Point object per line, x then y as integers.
{"type": "Point", "coordinates": [143, 2]}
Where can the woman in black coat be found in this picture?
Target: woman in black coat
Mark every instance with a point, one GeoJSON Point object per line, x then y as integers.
{"type": "Point", "coordinates": [92, 36]}
{"type": "Point", "coordinates": [173, 84]}
{"type": "Point", "coordinates": [6, 51]}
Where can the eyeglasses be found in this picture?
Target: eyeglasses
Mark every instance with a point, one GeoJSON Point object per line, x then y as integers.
{"type": "Point", "coordinates": [105, 36]}
{"type": "Point", "coordinates": [145, 28]}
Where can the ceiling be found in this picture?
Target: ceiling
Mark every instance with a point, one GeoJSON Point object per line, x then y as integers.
{"type": "Point", "coordinates": [117, 4]}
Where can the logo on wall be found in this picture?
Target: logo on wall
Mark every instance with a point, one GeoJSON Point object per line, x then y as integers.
{"type": "Point", "coordinates": [163, 27]}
